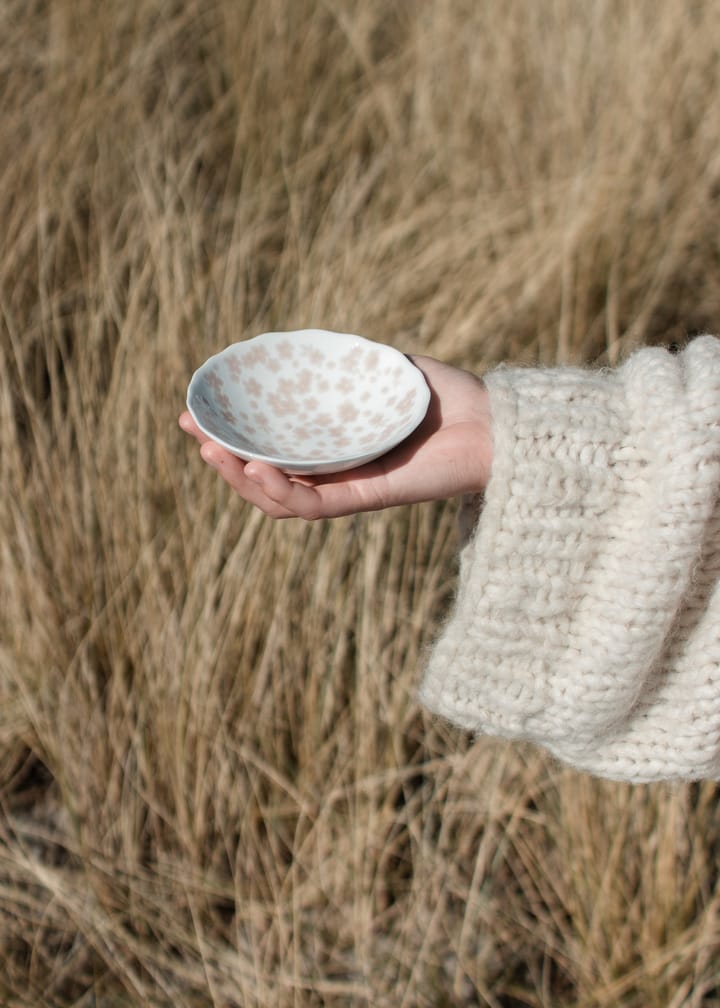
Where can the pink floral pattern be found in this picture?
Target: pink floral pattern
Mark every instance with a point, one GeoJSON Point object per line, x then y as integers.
{"type": "Point", "coordinates": [313, 397]}
{"type": "Point", "coordinates": [214, 380]}
{"type": "Point", "coordinates": [347, 412]}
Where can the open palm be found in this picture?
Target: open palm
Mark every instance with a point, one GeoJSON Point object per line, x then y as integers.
{"type": "Point", "coordinates": [449, 454]}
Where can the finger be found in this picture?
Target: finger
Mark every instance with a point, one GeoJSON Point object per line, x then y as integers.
{"type": "Point", "coordinates": [298, 496]}
{"type": "Point", "coordinates": [328, 496]}
{"type": "Point", "coordinates": [232, 470]}
{"type": "Point", "coordinates": [187, 424]}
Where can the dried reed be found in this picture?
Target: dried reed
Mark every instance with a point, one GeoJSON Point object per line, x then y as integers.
{"type": "Point", "coordinates": [216, 787]}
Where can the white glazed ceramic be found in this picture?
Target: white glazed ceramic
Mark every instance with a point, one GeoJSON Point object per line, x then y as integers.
{"type": "Point", "coordinates": [309, 401]}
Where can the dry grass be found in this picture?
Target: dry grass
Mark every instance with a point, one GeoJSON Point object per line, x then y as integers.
{"type": "Point", "coordinates": [216, 787]}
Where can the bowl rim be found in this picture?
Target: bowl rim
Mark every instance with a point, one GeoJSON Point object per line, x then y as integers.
{"type": "Point", "coordinates": [286, 463]}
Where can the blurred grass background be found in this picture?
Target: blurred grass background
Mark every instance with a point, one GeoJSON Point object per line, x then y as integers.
{"type": "Point", "coordinates": [216, 786]}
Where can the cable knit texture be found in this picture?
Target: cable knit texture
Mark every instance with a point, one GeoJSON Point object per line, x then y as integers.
{"type": "Point", "coordinates": [588, 610]}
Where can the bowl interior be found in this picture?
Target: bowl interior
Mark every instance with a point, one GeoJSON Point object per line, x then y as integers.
{"type": "Point", "coordinates": [311, 396]}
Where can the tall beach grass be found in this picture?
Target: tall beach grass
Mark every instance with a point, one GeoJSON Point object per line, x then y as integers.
{"type": "Point", "coordinates": [216, 785]}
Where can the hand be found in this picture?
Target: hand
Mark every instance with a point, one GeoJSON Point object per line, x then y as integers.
{"type": "Point", "coordinates": [449, 454]}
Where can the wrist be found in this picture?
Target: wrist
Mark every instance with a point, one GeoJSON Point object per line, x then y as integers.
{"type": "Point", "coordinates": [478, 443]}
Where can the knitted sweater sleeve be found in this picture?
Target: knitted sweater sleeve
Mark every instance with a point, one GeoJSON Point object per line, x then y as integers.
{"type": "Point", "coordinates": [587, 618]}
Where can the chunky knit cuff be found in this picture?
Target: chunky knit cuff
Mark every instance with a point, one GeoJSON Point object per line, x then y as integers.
{"type": "Point", "coordinates": [588, 611]}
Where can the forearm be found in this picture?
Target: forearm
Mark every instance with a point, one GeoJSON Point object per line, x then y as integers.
{"type": "Point", "coordinates": [587, 615]}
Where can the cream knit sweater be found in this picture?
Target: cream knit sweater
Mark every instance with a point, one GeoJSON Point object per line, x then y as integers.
{"type": "Point", "coordinates": [588, 610]}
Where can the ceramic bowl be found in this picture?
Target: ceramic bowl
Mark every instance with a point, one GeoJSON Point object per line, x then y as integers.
{"type": "Point", "coordinates": [309, 401]}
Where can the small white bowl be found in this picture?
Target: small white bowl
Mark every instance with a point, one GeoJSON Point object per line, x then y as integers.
{"type": "Point", "coordinates": [309, 401]}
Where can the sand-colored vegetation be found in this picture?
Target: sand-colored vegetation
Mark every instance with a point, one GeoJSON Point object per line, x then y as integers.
{"type": "Point", "coordinates": [216, 785]}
